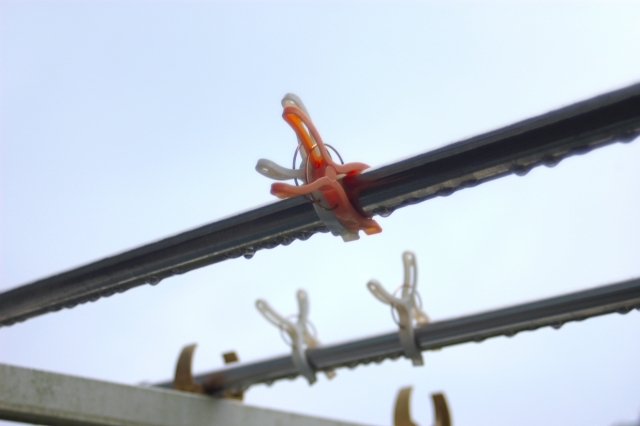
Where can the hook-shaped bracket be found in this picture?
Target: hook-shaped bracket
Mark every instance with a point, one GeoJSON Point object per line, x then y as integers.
{"type": "Point", "coordinates": [406, 307]}
{"type": "Point", "coordinates": [320, 174]}
{"type": "Point", "coordinates": [402, 412]}
{"type": "Point", "coordinates": [298, 332]}
{"type": "Point", "coordinates": [183, 377]}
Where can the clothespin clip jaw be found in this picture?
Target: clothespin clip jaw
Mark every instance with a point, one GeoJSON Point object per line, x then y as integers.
{"type": "Point", "coordinates": [183, 377]}
{"type": "Point", "coordinates": [402, 412]}
{"type": "Point", "coordinates": [320, 175]}
{"type": "Point", "coordinates": [406, 307]}
{"type": "Point", "coordinates": [300, 336]}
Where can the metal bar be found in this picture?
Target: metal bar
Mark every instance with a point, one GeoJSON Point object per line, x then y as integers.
{"type": "Point", "coordinates": [620, 297]}
{"type": "Point", "coordinates": [543, 140]}
{"type": "Point", "coordinates": [48, 398]}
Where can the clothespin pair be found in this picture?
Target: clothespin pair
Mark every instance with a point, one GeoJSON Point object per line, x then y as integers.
{"type": "Point", "coordinates": [407, 308]}
{"type": "Point", "coordinates": [402, 413]}
{"type": "Point", "coordinates": [320, 174]}
{"type": "Point", "coordinates": [299, 332]}
{"type": "Point", "coordinates": [298, 328]}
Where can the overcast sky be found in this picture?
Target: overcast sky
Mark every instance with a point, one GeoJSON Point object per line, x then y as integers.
{"type": "Point", "coordinates": [123, 123]}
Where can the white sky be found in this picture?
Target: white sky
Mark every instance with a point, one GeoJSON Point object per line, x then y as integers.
{"type": "Point", "coordinates": [123, 123]}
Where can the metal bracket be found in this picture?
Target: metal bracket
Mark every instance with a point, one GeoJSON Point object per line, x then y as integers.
{"type": "Point", "coordinates": [299, 334]}
{"type": "Point", "coordinates": [183, 378]}
{"type": "Point", "coordinates": [405, 306]}
{"type": "Point", "coordinates": [402, 412]}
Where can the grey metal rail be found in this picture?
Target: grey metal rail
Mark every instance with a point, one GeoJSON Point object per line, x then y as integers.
{"type": "Point", "coordinates": [543, 140]}
{"type": "Point", "coordinates": [621, 297]}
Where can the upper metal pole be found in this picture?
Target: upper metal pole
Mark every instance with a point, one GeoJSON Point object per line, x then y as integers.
{"type": "Point", "coordinates": [542, 140]}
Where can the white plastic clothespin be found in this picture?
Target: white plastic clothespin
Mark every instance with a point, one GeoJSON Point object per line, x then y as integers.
{"type": "Point", "coordinates": [298, 332]}
{"type": "Point", "coordinates": [406, 307]}
{"type": "Point", "coordinates": [275, 171]}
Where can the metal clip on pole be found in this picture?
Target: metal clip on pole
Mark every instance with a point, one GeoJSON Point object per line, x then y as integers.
{"type": "Point", "coordinates": [321, 176]}
{"type": "Point", "coordinates": [183, 377]}
{"type": "Point", "coordinates": [299, 334]}
{"type": "Point", "coordinates": [406, 307]}
{"type": "Point", "coordinates": [402, 413]}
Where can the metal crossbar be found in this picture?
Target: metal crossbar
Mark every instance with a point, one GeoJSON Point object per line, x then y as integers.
{"type": "Point", "coordinates": [620, 297]}
{"type": "Point", "coordinates": [45, 398]}
{"type": "Point", "coordinates": [542, 140]}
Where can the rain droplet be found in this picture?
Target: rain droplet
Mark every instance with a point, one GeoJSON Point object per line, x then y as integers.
{"type": "Point", "coordinates": [304, 236]}
{"type": "Point", "coordinates": [445, 192]}
{"type": "Point", "coordinates": [580, 150]}
{"type": "Point", "coordinates": [550, 161]}
{"type": "Point", "coordinates": [286, 241]}
{"type": "Point", "coordinates": [385, 212]}
{"type": "Point", "coordinates": [627, 137]}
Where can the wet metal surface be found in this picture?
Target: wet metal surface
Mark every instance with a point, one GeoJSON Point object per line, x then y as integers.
{"type": "Point", "coordinates": [543, 140]}
{"type": "Point", "coordinates": [621, 297]}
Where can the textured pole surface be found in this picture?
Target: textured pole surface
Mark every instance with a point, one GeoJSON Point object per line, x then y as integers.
{"type": "Point", "coordinates": [543, 140]}
{"type": "Point", "coordinates": [620, 297]}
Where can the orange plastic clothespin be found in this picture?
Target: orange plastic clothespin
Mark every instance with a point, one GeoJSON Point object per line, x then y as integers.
{"type": "Point", "coordinates": [320, 174]}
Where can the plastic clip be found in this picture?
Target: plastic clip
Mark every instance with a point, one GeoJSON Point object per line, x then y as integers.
{"type": "Point", "coordinates": [183, 378]}
{"type": "Point", "coordinates": [402, 413]}
{"type": "Point", "coordinates": [406, 307]}
{"type": "Point", "coordinates": [321, 176]}
{"type": "Point", "coordinates": [299, 334]}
